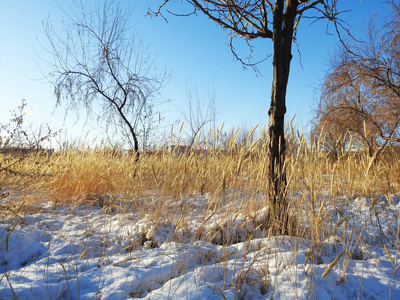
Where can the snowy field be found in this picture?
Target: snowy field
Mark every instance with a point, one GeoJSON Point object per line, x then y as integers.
{"type": "Point", "coordinates": [89, 252]}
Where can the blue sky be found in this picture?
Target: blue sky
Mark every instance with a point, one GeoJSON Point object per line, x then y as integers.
{"type": "Point", "coordinates": [193, 49]}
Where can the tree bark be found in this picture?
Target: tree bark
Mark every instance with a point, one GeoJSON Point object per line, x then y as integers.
{"type": "Point", "coordinates": [132, 132]}
{"type": "Point", "coordinates": [283, 23]}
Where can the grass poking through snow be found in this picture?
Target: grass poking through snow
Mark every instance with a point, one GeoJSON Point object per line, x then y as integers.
{"type": "Point", "coordinates": [98, 224]}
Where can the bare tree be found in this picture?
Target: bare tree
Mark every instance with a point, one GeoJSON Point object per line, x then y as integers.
{"type": "Point", "coordinates": [276, 20]}
{"type": "Point", "coordinates": [17, 140]}
{"type": "Point", "coordinates": [16, 134]}
{"type": "Point", "coordinates": [198, 112]}
{"type": "Point", "coordinates": [361, 92]}
{"type": "Point", "coordinates": [101, 66]}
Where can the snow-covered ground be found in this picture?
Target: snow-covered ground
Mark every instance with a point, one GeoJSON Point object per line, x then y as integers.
{"type": "Point", "coordinates": [86, 252]}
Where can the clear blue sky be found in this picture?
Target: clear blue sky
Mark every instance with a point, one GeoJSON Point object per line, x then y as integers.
{"type": "Point", "coordinates": [193, 49]}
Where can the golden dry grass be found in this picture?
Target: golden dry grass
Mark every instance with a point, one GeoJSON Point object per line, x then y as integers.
{"type": "Point", "coordinates": [234, 179]}
{"type": "Point", "coordinates": [74, 176]}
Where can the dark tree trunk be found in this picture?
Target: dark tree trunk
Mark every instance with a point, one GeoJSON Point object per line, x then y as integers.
{"type": "Point", "coordinates": [282, 43]}
{"type": "Point", "coordinates": [135, 141]}
{"type": "Point", "coordinates": [132, 132]}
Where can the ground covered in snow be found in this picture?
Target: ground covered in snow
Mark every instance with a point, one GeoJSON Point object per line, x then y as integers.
{"type": "Point", "coordinates": [89, 252]}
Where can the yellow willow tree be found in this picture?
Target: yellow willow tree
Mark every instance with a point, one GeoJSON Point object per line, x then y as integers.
{"type": "Point", "coordinates": [361, 91]}
{"type": "Point", "coordinates": [278, 21]}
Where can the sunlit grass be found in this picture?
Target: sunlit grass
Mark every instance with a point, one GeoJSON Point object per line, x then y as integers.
{"type": "Point", "coordinates": [83, 175]}
{"type": "Point", "coordinates": [230, 184]}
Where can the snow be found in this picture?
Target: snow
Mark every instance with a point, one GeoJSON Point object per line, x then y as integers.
{"type": "Point", "coordinates": [88, 252]}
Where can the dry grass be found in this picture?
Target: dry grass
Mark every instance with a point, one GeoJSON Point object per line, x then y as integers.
{"type": "Point", "coordinates": [234, 181]}
{"type": "Point", "coordinates": [113, 179]}
{"type": "Point", "coordinates": [74, 176]}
